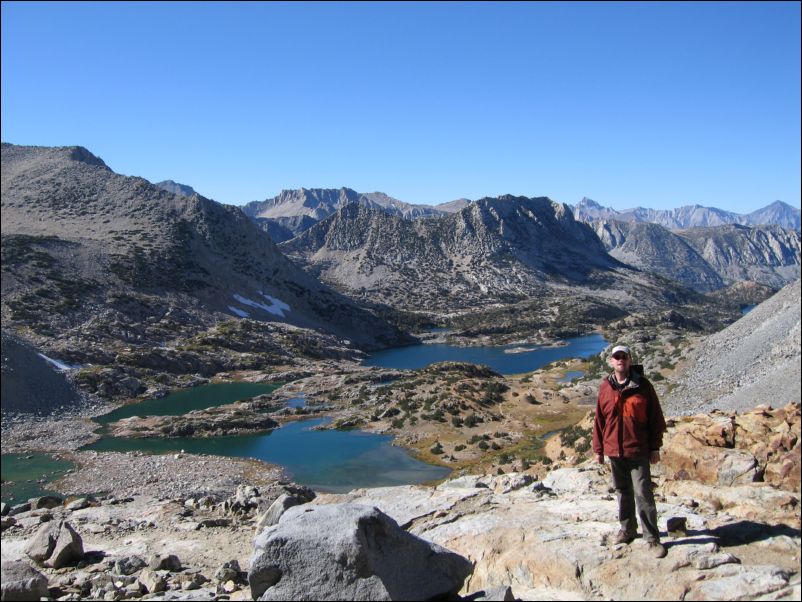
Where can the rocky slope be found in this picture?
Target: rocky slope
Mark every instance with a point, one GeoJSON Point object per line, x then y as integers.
{"type": "Point", "coordinates": [755, 360]}
{"type": "Point", "coordinates": [692, 216]}
{"type": "Point", "coordinates": [142, 289]}
{"type": "Point", "coordinates": [767, 255]}
{"type": "Point", "coordinates": [30, 383]}
{"type": "Point", "coordinates": [655, 249]}
{"type": "Point", "coordinates": [706, 259]}
{"type": "Point", "coordinates": [78, 238]}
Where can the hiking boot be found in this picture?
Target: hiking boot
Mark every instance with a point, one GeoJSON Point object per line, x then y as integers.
{"type": "Point", "coordinates": [657, 550]}
{"type": "Point", "coordinates": [623, 537]}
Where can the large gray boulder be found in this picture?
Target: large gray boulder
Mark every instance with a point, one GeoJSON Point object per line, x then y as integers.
{"type": "Point", "coordinates": [55, 545]}
{"type": "Point", "coordinates": [22, 582]}
{"type": "Point", "coordinates": [350, 552]}
{"type": "Point", "coordinates": [276, 510]}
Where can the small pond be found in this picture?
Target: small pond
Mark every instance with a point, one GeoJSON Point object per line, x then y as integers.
{"type": "Point", "coordinates": [571, 375]}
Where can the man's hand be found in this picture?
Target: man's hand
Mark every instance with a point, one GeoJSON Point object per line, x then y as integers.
{"type": "Point", "coordinates": [654, 457]}
{"type": "Point", "coordinates": [600, 458]}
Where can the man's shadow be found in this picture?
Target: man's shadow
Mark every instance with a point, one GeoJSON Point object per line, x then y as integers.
{"type": "Point", "coordinates": [739, 533]}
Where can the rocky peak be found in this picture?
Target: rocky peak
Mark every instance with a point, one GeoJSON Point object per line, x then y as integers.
{"type": "Point", "coordinates": [589, 203]}
{"type": "Point", "coordinates": [14, 154]}
{"type": "Point", "coordinates": [778, 213]}
{"type": "Point", "coordinates": [176, 188]}
{"type": "Point", "coordinates": [79, 153]}
{"type": "Point", "coordinates": [317, 203]}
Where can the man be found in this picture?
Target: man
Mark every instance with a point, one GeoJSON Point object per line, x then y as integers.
{"type": "Point", "coordinates": [628, 429]}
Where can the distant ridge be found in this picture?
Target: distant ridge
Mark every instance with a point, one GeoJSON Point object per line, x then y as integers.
{"type": "Point", "coordinates": [295, 211]}
{"type": "Point", "coordinates": [692, 216]}
{"type": "Point", "coordinates": [705, 259]}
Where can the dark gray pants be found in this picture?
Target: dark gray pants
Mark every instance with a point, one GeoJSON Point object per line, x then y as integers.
{"type": "Point", "coordinates": [632, 480]}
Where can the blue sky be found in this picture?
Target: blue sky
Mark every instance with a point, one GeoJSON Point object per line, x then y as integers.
{"type": "Point", "coordinates": [631, 104]}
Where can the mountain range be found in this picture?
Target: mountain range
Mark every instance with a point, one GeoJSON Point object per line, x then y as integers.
{"type": "Point", "coordinates": [692, 216]}
{"type": "Point", "coordinates": [293, 211]}
{"type": "Point", "coordinates": [702, 248]}
{"type": "Point", "coordinates": [88, 250]}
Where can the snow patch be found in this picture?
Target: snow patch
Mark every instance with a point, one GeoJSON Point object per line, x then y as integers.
{"type": "Point", "coordinates": [241, 313]}
{"type": "Point", "coordinates": [59, 365]}
{"type": "Point", "coordinates": [277, 307]}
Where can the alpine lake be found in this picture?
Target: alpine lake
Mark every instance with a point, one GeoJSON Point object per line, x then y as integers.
{"type": "Point", "coordinates": [325, 460]}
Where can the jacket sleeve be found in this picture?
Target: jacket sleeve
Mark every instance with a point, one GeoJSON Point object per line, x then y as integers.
{"type": "Point", "coordinates": [598, 427]}
{"type": "Point", "coordinates": [657, 423]}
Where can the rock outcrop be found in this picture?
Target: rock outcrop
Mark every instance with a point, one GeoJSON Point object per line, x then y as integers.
{"type": "Point", "coordinates": [735, 449]}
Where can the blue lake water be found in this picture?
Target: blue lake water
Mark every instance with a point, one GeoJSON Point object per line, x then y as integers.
{"type": "Point", "coordinates": [325, 460]}
{"type": "Point", "coordinates": [330, 460]}
{"type": "Point", "coordinates": [419, 356]}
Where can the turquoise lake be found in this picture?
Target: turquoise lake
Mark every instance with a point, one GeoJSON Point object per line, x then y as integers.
{"type": "Point", "coordinates": [186, 400]}
{"type": "Point", "coordinates": [21, 474]}
{"type": "Point", "coordinates": [498, 358]}
{"type": "Point", "coordinates": [326, 460]}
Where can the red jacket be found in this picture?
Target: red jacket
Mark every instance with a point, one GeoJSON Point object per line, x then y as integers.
{"type": "Point", "coordinates": [628, 423]}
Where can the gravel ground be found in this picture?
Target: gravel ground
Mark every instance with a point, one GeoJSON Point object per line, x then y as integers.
{"type": "Point", "coordinates": [166, 476]}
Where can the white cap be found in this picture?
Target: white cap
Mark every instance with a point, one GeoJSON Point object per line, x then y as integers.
{"type": "Point", "coordinates": [622, 348]}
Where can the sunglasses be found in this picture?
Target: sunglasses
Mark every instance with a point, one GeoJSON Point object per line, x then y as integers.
{"type": "Point", "coordinates": [620, 356]}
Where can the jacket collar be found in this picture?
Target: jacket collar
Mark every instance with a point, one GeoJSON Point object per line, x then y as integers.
{"type": "Point", "coordinates": [634, 380]}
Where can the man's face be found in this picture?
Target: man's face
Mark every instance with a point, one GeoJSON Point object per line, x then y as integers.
{"type": "Point", "coordinates": [620, 362]}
